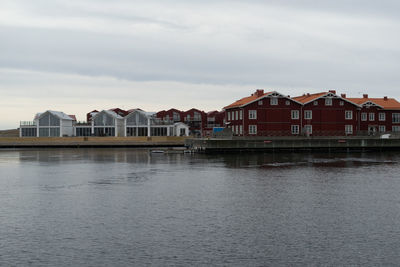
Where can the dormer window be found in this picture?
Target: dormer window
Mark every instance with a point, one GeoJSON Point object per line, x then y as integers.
{"type": "Point", "coordinates": [328, 101]}
{"type": "Point", "coordinates": [274, 101]}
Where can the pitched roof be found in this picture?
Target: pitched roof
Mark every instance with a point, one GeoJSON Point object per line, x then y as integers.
{"type": "Point", "coordinates": [247, 100]}
{"type": "Point", "coordinates": [73, 117]}
{"type": "Point", "coordinates": [309, 97]}
{"type": "Point", "coordinates": [59, 114]}
{"type": "Point", "coordinates": [386, 103]}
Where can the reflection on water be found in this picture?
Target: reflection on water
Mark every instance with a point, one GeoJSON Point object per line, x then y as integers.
{"type": "Point", "coordinates": [118, 207]}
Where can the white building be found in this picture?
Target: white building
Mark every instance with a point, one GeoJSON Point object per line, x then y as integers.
{"type": "Point", "coordinates": [107, 123]}
{"type": "Point", "coordinates": [103, 123]}
{"type": "Point", "coordinates": [48, 124]}
{"type": "Point", "coordinates": [141, 123]}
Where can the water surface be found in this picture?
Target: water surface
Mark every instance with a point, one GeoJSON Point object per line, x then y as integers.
{"type": "Point", "coordinates": [120, 207]}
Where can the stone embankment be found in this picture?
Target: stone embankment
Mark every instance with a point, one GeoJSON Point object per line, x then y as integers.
{"type": "Point", "coordinates": [25, 142]}
{"type": "Point", "coordinates": [293, 144]}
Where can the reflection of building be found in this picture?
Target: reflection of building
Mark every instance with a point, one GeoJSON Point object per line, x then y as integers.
{"type": "Point", "coordinates": [49, 124]}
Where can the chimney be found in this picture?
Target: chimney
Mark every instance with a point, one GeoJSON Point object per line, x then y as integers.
{"type": "Point", "coordinates": [385, 98]}
{"type": "Point", "coordinates": [343, 95]}
{"type": "Point", "coordinates": [259, 92]}
{"type": "Point", "coordinates": [365, 95]}
{"type": "Point", "coordinates": [332, 91]}
{"type": "Point", "coordinates": [308, 94]}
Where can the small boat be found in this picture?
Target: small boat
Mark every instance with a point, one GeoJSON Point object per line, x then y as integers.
{"type": "Point", "coordinates": [157, 151]}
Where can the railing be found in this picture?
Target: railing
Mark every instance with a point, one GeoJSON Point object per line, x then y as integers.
{"type": "Point", "coordinates": [27, 123]}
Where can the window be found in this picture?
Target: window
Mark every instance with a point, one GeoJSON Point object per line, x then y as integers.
{"type": "Point", "coordinates": [241, 129]}
{"type": "Point", "coordinates": [237, 114]}
{"type": "Point", "coordinates": [308, 129]}
{"type": "Point", "coordinates": [274, 101]}
{"type": "Point", "coordinates": [308, 114]}
{"type": "Point", "coordinates": [252, 129]}
{"type": "Point", "coordinates": [395, 128]}
{"type": "Point", "coordinates": [382, 128]}
{"type": "Point", "coordinates": [229, 116]}
{"type": "Point", "coordinates": [295, 114]}
{"type": "Point", "coordinates": [260, 103]}
{"type": "Point", "coordinates": [315, 103]}
{"type": "Point", "coordinates": [348, 114]}
{"type": "Point", "coordinates": [364, 116]}
{"type": "Point", "coordinates": [341, 103]}
{"type": "Point", "coordinates": [287, 103]}
{"type": "Point", "coordinates": [396, 117]}
{"type": "Point", "coordinates": [295, 129]}
{"type": "Point", "coordinates": [237, 129]}
{"type": "Point", "coordinates": [382, 116]}
{"type": "Point", "coordinates": [252, 114]}
{"type": "Point", "coordinates": [241, 114]}
{"type": "Point", "coordinates": [371, 116]}
{"type": "Point", "coordinates": [328, 101]}
{"type": "Point", "coordinates": [349, 129]}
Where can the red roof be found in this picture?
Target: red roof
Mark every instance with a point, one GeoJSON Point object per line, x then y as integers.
{"type": "Point", "coordinates": [386, 103]}
{"type": "Point", "coordinates": [246, 100]}
{"type": "Point", "coordinates": [308, 97]}
{"type": "Point", "coordinates": [72, 117]}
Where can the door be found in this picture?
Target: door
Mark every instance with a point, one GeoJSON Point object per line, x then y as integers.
{"type": "Point", "coordinates": [372, 130]}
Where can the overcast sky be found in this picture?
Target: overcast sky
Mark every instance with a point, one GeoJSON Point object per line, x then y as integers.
{"type": "Point", "coordinates": [79, 55]}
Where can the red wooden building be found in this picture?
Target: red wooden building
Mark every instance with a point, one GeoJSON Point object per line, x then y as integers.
{"type": "Point", "coordinates": [377, 115]}
{"type": "Point", "coordinates": [327, 114]}
{"type": "Point", "coordinates": [263, 114]}
{"type": "Point", "coordinates": [320, 114]}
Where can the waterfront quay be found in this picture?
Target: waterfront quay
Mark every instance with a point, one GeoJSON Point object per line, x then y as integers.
{"type": "Point", "coordinates": [154, 141]}
{"type": "Point", "coordinates": [328, 144]}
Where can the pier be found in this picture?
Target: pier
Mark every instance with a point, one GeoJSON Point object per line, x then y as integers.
{"type": "Point", "coordinates": [293, 144]}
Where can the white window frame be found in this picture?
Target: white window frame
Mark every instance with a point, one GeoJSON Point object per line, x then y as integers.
{"type": "Point", "coordinates": [308, 114]}
{"type": "Point", "coordinates": [295, 129]}
{"type": "Point", "coordinates": [395, 128]}
{"type": "Point", "coordinates": [252, 129]}
{"type": "Point", "coordinates": [237, 114]}
{"type": "Point", "coordinates": [371, 116]}
{"type": "Point", "coordinates": [382, 128]}
{"type": "Point", "coordinates": [241, 114]}
{"type": "Point", "coordinates": [252, 114]}
{"type": "Point", "coordinates": [273, 101]}
{"type": "Point", "coordinates": [295, 114]}
{"type": "Point", "coordinates": [341, 103]}
{"type": "Point", "coordinates": [395, 117]}
{"type": "Point", "coordinates": [328, 101]}
{"type": "Point", "coordinates": [348, 129]}
{"type": "Point", "coordinates": [287, 103]}
{"type": "Point", "coordinates": [308, 128]}
{"type": "Point", "coordinates": [348, 114]}
{"type": "Point", "coordinates": [315, 103]}
{"type": "Point", "coordinates": [364, 116]}
{"type": "Point", "coordinates": [260, 102]}
{"type": "Point", "coordinates": [229, 115]}
{"type": "Point", "coordinates": [240, 129]}
{"type": "Point", "coordinates": [382, 116]}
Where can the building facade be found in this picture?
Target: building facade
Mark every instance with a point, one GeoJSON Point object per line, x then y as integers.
{"type": "Point", "coordinates": [48, 124]}
{"type": "Point", "coordinates": [320, 114]}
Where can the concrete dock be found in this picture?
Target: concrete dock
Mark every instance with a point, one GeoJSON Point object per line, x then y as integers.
{"type": "Point", "coordinates": [293, 144]}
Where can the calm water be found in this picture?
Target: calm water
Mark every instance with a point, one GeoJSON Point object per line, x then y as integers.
{"type": "Point", "coordinates": [119, 207]}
